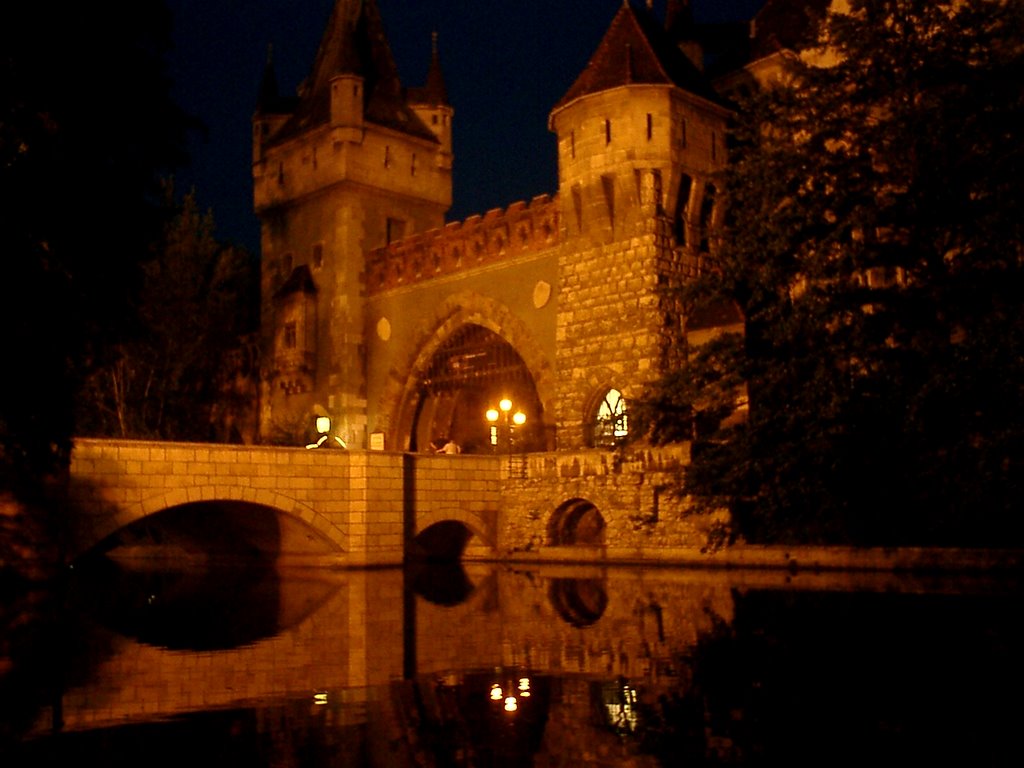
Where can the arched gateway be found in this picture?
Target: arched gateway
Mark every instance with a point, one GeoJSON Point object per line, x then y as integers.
{"type": "Point", "coordinates": [468, 374]}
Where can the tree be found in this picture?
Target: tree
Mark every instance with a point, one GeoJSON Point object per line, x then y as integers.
{"type": "Point", "coordinates": [196, 302]}
{"type": "Point", "coordinates": [87, 129]}
{"type": "Point", "coordinates": [874, 252]}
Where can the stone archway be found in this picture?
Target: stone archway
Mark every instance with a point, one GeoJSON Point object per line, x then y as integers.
{"type": "Point", "coordinates": [519, 369]}
{"type": "Point", "coordinates": [468, 374]}
{"type": "Point", "coordinates": [576, 522]}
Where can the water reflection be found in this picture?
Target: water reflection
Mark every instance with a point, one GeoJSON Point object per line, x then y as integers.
{"type": "Point", "coordinates": [441, 583]}
{"type": "Point", "coordinates": [499, 666]}
{"type": "Point", "coordinates": [198, 610]}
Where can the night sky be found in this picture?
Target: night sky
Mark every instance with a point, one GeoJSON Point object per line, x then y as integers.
{"type": "Point", "coordinates": [506, 63]}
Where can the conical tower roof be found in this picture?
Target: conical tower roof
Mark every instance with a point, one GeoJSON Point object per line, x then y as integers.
{"type": "Point", "coordinates": [434, 91]}
{"type": "Point", "coordinates": [355, 43]}
{"type": "Point", "coordinates": [636, 49]}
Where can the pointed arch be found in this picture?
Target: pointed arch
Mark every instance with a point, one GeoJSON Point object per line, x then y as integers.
{"type": "Point", "coordinates": [401, 399]}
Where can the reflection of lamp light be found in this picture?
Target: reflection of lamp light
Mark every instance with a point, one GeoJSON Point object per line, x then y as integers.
{"type": "Point", "coordinates": [510, 701]}
{"type": "Point", "coordinates": [620, 701]}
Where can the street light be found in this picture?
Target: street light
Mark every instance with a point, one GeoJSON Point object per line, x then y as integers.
{"type": "Point", "coordinates": [323, 428]}
{"type": "Point", "coordinates": [503, 413]}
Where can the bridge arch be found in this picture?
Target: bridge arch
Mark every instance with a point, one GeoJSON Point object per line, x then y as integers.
{"type": "Point", "coordinates": [577, 522]}
{"type": "Point", "coordinates": [130, 513]}
{"type": "Point", "coordinates": [403, 396]}
{"type": "Point", "coordinates": [473, 522]}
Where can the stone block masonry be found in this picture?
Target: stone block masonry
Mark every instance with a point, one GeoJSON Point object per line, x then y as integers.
{"type": "Point", "coordinates": [358, 508]}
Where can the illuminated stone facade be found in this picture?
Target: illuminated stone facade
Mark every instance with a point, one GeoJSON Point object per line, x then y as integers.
{"type": "Point", "coordinates": [402, 327]}
{"type": "Point", "coordinates": [362, 276]}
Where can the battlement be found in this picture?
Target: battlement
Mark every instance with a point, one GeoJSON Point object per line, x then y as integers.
{"type": "Point", "coordinates": [521, 229]}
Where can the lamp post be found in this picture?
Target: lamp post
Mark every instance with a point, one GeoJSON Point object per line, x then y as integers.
{"type": "Point", "coordinates": [323, 428]}
{"type": "Point", "coordinates": [503, 413]}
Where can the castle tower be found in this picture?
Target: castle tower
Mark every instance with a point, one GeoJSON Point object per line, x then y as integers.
{"type": "Point", "coordinates": [640, 134]}
{"type": "Point", "coordinates": [347, 166]}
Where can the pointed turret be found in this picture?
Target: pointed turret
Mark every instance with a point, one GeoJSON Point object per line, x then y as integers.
{"type": "Point", "coordinates": [272, 111]}
{"type": "Point", "coordinates": [266, 100]}
{"type": "Point", "coordinates": [639, 123]}
{"type": "Point", "coordinates": [434, 92]}
{"type": "Point", "coordinates": [430, 102]}
{"type": "Point", "coordinates": [354, 48]}
{"type": "Point", "coordinates": [637, 50]}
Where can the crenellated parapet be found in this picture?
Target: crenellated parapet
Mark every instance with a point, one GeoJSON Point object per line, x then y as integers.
{"type": "Point", "coordinates": [520, 230]}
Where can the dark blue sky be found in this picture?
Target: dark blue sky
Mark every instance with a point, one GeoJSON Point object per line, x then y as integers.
{"type": "Point", "coordinates": [506, 63]}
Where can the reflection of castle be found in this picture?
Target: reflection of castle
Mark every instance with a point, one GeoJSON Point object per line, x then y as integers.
{"type": "Point", "coordinates": [403, 327]}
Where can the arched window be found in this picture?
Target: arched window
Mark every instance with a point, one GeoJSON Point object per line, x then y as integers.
{"type": "Point", "coordinates": [611, 423]}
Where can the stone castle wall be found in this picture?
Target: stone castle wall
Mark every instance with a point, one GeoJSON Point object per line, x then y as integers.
{"type": "Point", "coordinates": [632, 490]}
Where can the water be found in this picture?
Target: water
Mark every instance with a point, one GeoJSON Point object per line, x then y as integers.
{"type": "Point", "coordinates": [596, 667]}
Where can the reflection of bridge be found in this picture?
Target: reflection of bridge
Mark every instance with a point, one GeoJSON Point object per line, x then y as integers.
{"type": "Point", "coordinates": [330, 507]}
{"type": "Point", "coordinates": [344, 634]}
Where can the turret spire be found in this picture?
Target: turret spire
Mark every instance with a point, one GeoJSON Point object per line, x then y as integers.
{"type": "Point", "coordinates": [268, 97]}
{"type": "Point", "coordinates": [434, 91]}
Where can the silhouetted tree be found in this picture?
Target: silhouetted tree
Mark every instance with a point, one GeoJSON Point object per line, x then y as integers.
{"type": "Point", "coordinates": [874, 252]}
{"type": "Point", "coordinates": [195, 303]}
{"type": "Point", "coordinates": [87, 129]}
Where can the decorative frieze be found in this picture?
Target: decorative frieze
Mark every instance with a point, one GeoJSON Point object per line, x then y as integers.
{"type": "Point", "coordinates": [520, 230]}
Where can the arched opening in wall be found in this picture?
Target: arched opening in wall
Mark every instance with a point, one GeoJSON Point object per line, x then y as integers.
{"type": "Point", "coordinates": [580, 602]}
{"type": "Point", "coordinates": [468, 375]}
{"type": "Point", "coordinates": [576, 522]}
{"type": "Point", "coordinates": [442, 542]}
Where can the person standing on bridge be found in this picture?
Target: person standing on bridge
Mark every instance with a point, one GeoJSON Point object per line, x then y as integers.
{"type": "Point", "coordinates": [449, 446]}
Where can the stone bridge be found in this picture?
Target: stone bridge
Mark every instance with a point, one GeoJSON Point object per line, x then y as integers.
{"type": "Point", "coordinates": [373, 508]}
{"type": "Point", "coordinates": [316, 507]}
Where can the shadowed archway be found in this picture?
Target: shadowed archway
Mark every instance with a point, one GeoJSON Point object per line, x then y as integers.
{"type": "Point", "coordinates": [576, 522]}
{"type": "Point", "coordinates": [470, 372]}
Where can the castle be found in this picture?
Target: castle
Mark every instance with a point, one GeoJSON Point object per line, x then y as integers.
{"type": "Point", "coordinates": [401, 327]}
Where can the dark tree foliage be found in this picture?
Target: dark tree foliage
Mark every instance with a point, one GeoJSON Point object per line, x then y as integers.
{"type": "Point", "coordinates": [196, 301]}
{"type": "Point", "coordinates": [87, 129]}
{"type": "Point", "coordinates": [874, 251]}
